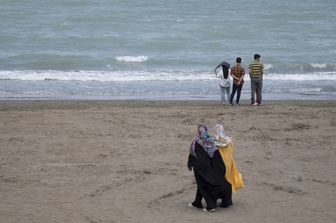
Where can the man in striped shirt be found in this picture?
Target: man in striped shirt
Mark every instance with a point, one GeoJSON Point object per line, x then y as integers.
{"type": "Point", "coordinates": [256, 71]}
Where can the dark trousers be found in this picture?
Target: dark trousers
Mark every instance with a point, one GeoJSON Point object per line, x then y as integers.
{"type": "Point", "coordinates": [256, 88]}
{"type": "Point", "coordinates": [235, 88]}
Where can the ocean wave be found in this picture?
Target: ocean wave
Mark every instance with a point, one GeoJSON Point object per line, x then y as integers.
{"type": "Point", "coordinates": [318, 65]}
{"type": "Point", "coordinates": [80, 75]}
{"type": "Point", "coordinates": [305, 90]}
{"type": "Point", "coordinates": [299, 68]}
{"type": "Point", "coordinates": [49, 75]}
{"type": "Point", "coordinates": [132, 59]}
{"type": "Point", "coordinates": [318, 76]}
{"type": "Point", "coordinates": [268, 66]}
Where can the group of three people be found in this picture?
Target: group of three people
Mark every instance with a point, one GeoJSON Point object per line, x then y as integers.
{"type": "Point", "coordinates": [214, 169]}
{"type": "Point", "coordinates": [237, 72]}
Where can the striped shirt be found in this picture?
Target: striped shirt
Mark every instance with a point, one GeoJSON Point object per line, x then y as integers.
{"type": "Point", "coordinates": [256, 70]}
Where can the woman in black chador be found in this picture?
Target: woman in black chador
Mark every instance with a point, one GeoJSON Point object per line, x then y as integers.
{"type": "Point", "coordinates": [209, 171]}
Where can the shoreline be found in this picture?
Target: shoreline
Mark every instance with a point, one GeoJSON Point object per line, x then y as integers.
{"type": "Point", "coordinates": [39, 104]}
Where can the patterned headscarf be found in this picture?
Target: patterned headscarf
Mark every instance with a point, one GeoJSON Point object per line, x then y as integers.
{"type": "Point", "coordinates": [221, 138]}
{"type": "Point", "coordinates": [204, 140]}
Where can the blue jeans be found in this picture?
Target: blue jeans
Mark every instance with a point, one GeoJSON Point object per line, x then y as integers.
{"type": "Point", "coordinates": [256, 87]}
{"type": "Point", "coordinates": [225, 91]}
{"type": "Point", "coordinates": [235, 88]}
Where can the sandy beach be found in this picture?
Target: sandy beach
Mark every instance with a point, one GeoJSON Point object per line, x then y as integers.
{"type": "Point", "coordinates": [125, 161]}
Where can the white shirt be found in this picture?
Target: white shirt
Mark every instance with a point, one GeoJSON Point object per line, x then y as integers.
{"type": "Point", "coordinates": [223, 82]}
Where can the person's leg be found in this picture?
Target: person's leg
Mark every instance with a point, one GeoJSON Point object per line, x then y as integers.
{"type": "Point", "coordinates": [253, 91]}
{"type": "Point", "coordinates": [234, 88]}
{"type": "Point", "coordinates": [239, 88]}
{"type": "Point", "coordinates": [208, 198]}
{"type": "Point", "coordinates": [205, 192]}
{"type": "Point", "coordinates": [197, 203]}
{"type": "Point", "coordinates": [222, 94]}
{"type": "Point", "coordinates": [228, 93]}
{"type": "Point", "coordinates": [226, 195]}
{"type": "Point", "coordinates": [258, 91]}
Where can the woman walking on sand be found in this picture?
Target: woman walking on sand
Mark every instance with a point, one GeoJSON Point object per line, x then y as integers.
{"type": "Point", "coordinates": [209, 171]}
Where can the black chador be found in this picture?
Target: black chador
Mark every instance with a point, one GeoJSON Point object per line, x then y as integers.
{"type": "Point", "coordinates": [209, 171]}
{"type": "Point", "coordinates": [210, 179]}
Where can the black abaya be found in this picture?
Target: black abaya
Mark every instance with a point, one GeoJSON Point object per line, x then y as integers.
{"type": "Point", "coordinates": [210, 178]}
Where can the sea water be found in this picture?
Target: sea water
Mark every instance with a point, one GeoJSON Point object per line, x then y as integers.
{"type": "Point", "coordinates": [159, 49]}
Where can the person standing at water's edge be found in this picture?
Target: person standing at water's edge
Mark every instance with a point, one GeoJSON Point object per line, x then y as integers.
{"type": "Point", "coordinates": [237, 73]}
{"type": "Point", "coordinates": [256, 71]}
{"type": "Point", "coordinates": [224, 81]}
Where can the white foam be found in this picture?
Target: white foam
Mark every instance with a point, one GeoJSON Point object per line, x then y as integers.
{"type": "Point", "coordinates": [268, 66]}
{"type": "Point", "coordinates": [41, 75]}
{"type": "Point", "coordinates": [305, 90]}
{"type": "Point", "coordinates": [31, 75]}
{"type": "Point", "coordinates": [302, 77]}
{"type": "Point", "coordinates": [318, 65]}
{"type": "Point", "coordinates": [132, 59]}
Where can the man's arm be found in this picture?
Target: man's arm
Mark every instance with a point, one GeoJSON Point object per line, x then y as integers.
{"type": "Point", "coordinates": [250, 70]}
{"type": "Point", "coordinates": [232, 75]}
{"type": "Point", "coordinates": [242, 77]}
